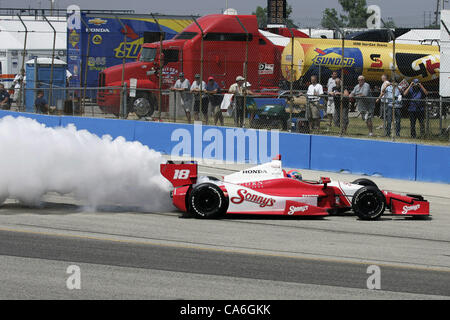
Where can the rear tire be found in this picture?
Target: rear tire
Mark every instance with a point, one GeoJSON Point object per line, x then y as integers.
{"type": "Point", "coordinates": [368, 203]}
{"type": "Point", "coordinates": [207, 201]}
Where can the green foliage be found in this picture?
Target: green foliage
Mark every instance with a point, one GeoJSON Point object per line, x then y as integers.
{"type": "Point", "coordinates": [355, 15]}
{"type": "Point", "coordinates": [261, 15]}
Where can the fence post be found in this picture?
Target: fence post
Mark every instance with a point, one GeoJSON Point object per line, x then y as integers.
{"type": "Point", "coordinates": [175, 97]}
{"type": "Point", "coordinates": [245, 70]}
{"type": "Point", "coordinates": [122, 96]}
{"type": "Point", "coordinates": [161, 63]}
{"type": "Point", "coordinates": [50, 93]}
{"type": "Point", "coordinates": [21, 97]}
{"type": "Point", "coordinates": [201, 63]}
{"type": "Point", "coordinates": [86, 65]}
{"type": "Point", "coordinates": [291, 78]}
{"type": "Point", "coordinates": [36, 70]}
{"type": "Point", "coordinates": [341, 111]}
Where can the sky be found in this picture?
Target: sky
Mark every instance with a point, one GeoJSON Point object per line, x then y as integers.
{"type": "Point", "coordinates": [305, 12]}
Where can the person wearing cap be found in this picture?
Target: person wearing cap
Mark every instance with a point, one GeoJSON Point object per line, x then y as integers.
{"type": "Point", "coordinates": [238, 89]}
{"type": "Point", "coordinates": [212, 88]}
{"type": "Point", "coordinates": [182, 85]}
{"type": "Point", "coordinates": [198, 89]}
{"type": "Point", "coordinates": [365, 105]}
{"type": "Point", "coordinates": [416, 94]}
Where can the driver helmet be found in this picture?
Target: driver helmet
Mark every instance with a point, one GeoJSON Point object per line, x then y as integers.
{"type": "Point", "coordinates": [295, 174]}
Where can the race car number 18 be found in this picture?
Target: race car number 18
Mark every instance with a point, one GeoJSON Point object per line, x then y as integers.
{"type": "Point", "coordinates": [181, 174]}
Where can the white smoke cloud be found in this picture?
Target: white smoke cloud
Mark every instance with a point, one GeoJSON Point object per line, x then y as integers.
{"type": "Point", "coordinates": [35, 159]}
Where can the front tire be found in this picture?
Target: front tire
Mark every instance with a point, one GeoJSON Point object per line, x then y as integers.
{"type": "Point", "coordinates": [143, 106]}
{"type": "Point", "coordinates": [368, 203]}
{"type": "Point", "coordinates": [207, 201]}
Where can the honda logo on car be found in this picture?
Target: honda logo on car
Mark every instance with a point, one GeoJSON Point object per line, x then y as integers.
{"type": "Point", "coordinates": [254, 171]}
{"type": "Point", "coordinates": [244, 195]}
{"type": "Point", "coordinates": [294, 209]}
{"type": "Point", "coordinates": [406, 209]}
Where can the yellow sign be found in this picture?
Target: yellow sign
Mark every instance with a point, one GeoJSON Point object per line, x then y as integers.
{"type": "Point", "coordinates": [97, 39]}
{"type": "Point", "coordinates": [129, 49]}
{"type": "Point", "coordinates": [74, 38]}
{"type": "Point", "coordinates": [371, 59]}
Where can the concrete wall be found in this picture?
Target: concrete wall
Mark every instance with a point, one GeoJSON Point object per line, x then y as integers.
{"type": "Point", "coordinates": [393, 160]}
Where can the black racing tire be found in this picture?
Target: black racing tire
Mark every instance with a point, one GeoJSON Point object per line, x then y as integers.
{"type": "Point", "coordinates": [365, 182]}
{"type": "Point", "coordinates": [207, 201]}
{"type": "Point", "coordinates": [368, 203]}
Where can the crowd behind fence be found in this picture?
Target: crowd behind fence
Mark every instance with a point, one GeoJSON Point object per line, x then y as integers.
{"type": "Point", "coordinates": [272, 95]}
{"type": "Point", "coordinates": [264, 110]}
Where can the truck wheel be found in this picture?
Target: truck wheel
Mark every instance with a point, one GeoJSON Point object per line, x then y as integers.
{"type": "Point", "coordinates": [365, 182]}
{"type": "Point", "coordinates": [368, 203]}
{"type": "Point", "coordinates": [143, 106]}
{"type": "Point", "coordinates": [207, 201]}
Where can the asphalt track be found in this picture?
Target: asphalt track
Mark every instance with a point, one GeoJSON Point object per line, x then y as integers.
{"type": "Point", "coordinates": [124, 254]}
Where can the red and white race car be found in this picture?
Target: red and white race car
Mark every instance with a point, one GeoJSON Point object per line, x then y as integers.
{"type": "Point", "coordinates": [267, 189]}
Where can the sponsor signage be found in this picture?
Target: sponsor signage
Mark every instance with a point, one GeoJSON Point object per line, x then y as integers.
{"type": "Point", "coordinates": [276, 12]}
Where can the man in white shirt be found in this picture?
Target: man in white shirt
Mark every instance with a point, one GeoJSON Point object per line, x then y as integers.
{"type": "Point", "coordinates": [183, 86]}
{"type": "Point", "coordinates": [198, 89]}
{"type": "Point", "coordinates": [315, 89]}
{"type": "Point", "coordinates": [330, 103]}
{"type": "Point", "coordinates": [19, 83]}
{"type": "Point", "coordinates": [238, 89]}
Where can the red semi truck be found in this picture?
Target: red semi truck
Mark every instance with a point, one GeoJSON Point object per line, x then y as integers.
{"type": "Point", "coordinates": [224, 54]}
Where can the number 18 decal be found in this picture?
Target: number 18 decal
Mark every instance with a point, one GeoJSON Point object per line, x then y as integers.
{"type": "Point", "coordinates": [181, 174]}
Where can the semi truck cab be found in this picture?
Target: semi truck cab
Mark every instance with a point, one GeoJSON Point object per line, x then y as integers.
{"type": "Point", "coordinates": [224, 55]}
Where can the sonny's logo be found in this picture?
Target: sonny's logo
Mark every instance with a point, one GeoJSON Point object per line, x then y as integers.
{"type": "Point", "coordinates": [244, 195]}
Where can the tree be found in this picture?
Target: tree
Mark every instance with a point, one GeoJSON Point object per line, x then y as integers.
{"type": "Point", "coordinates": [355, 15]}
{"type": "Point", "coordinates": [261, 15]}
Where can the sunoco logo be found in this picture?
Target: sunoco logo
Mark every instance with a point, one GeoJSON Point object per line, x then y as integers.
{"type": "Point", "coordinates": [331, 60]}
{"type": "Point", "coordinates": [244, 195]}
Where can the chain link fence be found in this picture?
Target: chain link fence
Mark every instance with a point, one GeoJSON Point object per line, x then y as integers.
{"type": "Point", "coordinates": [403, 119]}
{"type": "Point", "coordinates": [254, 79]}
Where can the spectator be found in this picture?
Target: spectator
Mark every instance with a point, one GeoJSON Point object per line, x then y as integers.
{"type": "Point", "coordinates": [336, 94]}
{"type": "Point", "coordinates": [5, 100]}
{"type": "Point", "coordinates": [315, 89]}
{"type": "Point", "coordinates": [385, 81]}
{"type": "Point", "coordinates": [416, 93]}
{"type": "Point", "coordinates": [198, 89]}
{"type": "Point", "coordinates": [19, 82]}
{"type": "Point", "coordinates": [238, 89]}
{"type": "Point", "coordinates": [212, 88]}
{"type": "Point", "coordinates": [365, 105]}
{"type": "Point", "coordinates": [182, 85]}
{"type": "Point", "coordinates": [40, 104]}
{"type": "Point", "coordinates": [330, 103]}
{"type": "Point", "coordinates": [393, 99]}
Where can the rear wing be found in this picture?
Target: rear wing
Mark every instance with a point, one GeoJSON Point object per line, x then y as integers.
{"type": "Point", "coordinates": [180, 173]}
